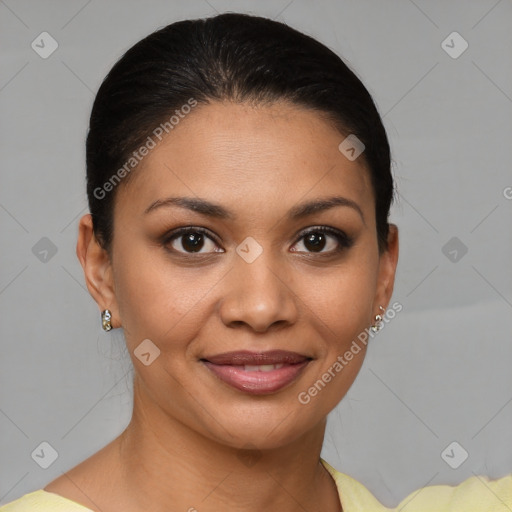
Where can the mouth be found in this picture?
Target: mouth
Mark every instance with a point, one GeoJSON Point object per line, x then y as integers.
{"type": "Point", "coordinates": [257, 373]}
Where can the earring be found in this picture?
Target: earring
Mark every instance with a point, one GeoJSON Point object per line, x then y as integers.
{"type": "Point", "coordinates": [106, 317]}
{"type": "Point", "coordinates": [378, 321]}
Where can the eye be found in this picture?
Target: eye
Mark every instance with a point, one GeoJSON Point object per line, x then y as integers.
{"type": "Point", "coordinates": [192, 240]}
{"type": "Point", "coordinates": [316, 239]}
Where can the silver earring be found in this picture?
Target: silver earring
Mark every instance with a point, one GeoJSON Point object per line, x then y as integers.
{"type": "Point", "coordinates": [106, 317]}
{"type": "Point", "coordinates": [378, 321]}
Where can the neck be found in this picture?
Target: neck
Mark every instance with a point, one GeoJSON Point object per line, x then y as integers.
{"type": "Point", "coordinates": [167, 466]}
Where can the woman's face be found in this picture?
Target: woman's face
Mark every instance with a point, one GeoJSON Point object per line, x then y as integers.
{"type": "Point", "coordinates": [256, 277]}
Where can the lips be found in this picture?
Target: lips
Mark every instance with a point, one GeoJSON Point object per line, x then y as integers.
{"type": "Point", "coordinates": [257, 372]}
{"type": "Point", "coordinates": [245, 357]}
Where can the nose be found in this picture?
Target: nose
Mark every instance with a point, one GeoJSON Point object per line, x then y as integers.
{"type": "Point", "coordinates": [258, 296]}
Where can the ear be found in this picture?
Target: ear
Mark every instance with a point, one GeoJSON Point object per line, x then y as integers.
{"type": "Point", "coordinates": [387, 269]}
{"type": "Point", "coordinates": [97, 268]}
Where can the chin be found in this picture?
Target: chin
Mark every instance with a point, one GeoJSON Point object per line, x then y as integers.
{"type": "Point", "coordinates": [263, 427]}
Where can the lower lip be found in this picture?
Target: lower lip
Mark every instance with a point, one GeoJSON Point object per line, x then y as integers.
{"type": "Point", "coordinates": [257, 382]}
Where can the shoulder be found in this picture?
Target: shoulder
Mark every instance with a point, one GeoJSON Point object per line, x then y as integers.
{"type": "Point", "coordinates": [475, 493]}
{"type": "Point", "coordinates": [43, 501]}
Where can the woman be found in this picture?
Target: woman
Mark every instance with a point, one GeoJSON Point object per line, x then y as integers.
{"type": "Point", "coordinates": [239, 184]}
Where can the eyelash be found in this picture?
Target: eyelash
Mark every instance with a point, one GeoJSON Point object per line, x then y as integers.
{"type": "Point", "coordinates": [344, 241]}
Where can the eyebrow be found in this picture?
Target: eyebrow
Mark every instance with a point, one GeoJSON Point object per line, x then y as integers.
{"type": "Point", "coordinates": [209, 209]}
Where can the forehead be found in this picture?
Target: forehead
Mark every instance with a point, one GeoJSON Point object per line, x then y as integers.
{"type": "Point", "coordinates": [241, 156]}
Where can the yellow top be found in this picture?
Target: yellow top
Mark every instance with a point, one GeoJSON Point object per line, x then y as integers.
{"type": "Point", "coordinates": [476, 494]}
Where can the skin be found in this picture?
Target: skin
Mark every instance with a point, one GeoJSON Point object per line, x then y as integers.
{"type": "Point", "coordinates": [183, 446]}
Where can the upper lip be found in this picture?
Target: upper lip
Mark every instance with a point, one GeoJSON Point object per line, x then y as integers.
{"type": "Point", "coordinates": [246, 357]}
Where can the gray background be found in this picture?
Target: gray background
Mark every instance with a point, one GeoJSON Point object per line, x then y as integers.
{"type": "Point", "coordinates": [438, 373]}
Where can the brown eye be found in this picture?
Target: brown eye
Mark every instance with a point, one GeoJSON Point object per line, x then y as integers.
{"type": "Point", "coordinates": [190, 240]}
{"type": "Point", "coordinates": [315, 240]}
{"type": "Point", "coordinates": [321, 240]}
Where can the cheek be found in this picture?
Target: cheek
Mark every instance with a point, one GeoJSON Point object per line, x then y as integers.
{"type": "Point", "coordinates": [342, 301]}
{"type": "Point", "coordinates": [146, 293]}
{"type": "Point", "coordinates": [341, 310]}
{"type": "Point", "coordinates": [156, 299]}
